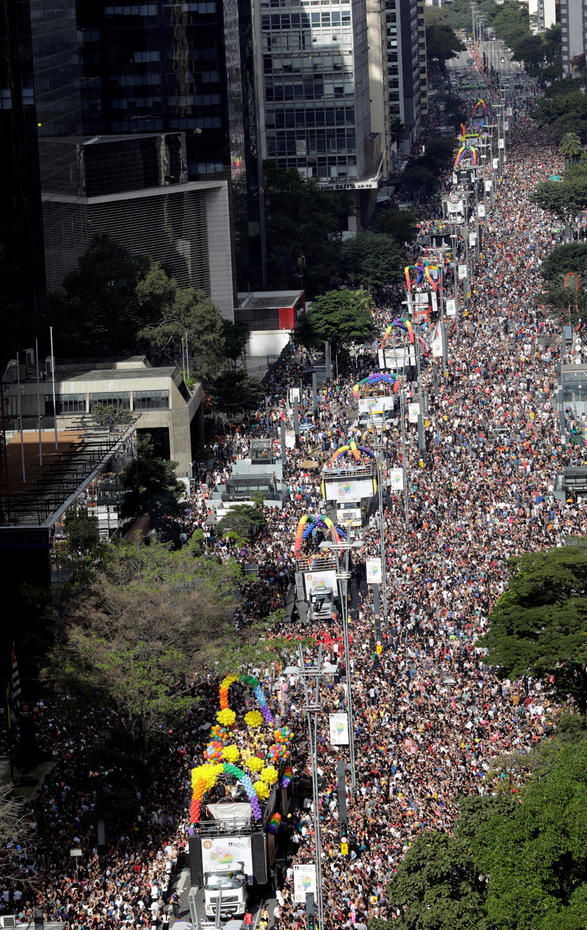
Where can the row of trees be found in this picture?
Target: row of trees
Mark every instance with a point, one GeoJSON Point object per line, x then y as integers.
{"type": "Point", "coordinates": [517, 858]}
{"type": "Point", "coordinates": [566, 199]}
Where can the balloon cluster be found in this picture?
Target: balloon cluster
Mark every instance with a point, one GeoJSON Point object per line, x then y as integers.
{"type": "Point", "coordinates": [254, 763]}
{"type": "Point", "coordinates": [213, 751]}
{"type": "Point", "coordinates": [254, 719]}
{"type": "Point", "coordinates": [283, 735]}
{"type": "Point", "coordinates": [277, 752]}
{"type": "Point", "coordinates": [231, 753]}
{"type": "Point", "coordinates": [273, 825]}
{"type": "Point", "coordinates": [226, 717]}
{"type": "Point", "coordinates": [287, 777]}
{"type": "Point", "coordinates": [219, 733]}
{"type": "Point", "coordinates": [261, 790]}
{"type": "Point", "coordinates": [269, 774]}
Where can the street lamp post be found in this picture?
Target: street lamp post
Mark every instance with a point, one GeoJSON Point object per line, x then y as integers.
{"type": "Point", "coordinates": [312, 708]}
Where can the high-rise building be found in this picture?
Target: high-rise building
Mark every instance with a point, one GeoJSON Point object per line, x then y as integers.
{"type": "Point", "coordinates": [406, 65]}
{"type": "Point", "coordinates": [573, 20]}
{"type": "Point", "coordinates": [313, 88]}
{"type": "Point", "coordinates": [22, 273]}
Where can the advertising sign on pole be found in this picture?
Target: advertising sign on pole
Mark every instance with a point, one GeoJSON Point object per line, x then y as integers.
{"type": "Point", "coordinates": [396, 479]}
{"type": "Point", "coordinates": [462, 272]}
{"type": "Point", "coordinates": [304, 882]}
{"type": "Point", "coordinates": [488, 187]}
{"type": "Point", "coordinates": [339, 729]}
{"type": "Point", "coordinates": [495, 163]}
{"type": "Point", "coordinates": [451, 307]}
{"type": "Point", "coordinates": [413, 412]}
{"type": "Point", "coordinates": [501, 143]}
{"type": "Point", "coordinates": [374, 571]}
{"type": "Point", "coordinates": [481, 210]}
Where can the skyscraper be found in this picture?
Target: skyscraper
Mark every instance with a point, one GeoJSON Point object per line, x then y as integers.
{"type": "Point", "coordinates": [573, 20]}
{"type": "Point", "coordinates": [22, 276]}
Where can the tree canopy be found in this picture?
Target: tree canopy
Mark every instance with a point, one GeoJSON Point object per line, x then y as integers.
{"type": "Point", "coordinates": [150, 487]}
{"type": "Point", "coordinates": [150, 619]}
{"type": "Point", "coordinates": [539, 625]}
{"type": "Point", "coordinates": [517, 859]}
{"type": "Point", "coordinates": [566, 198]}
{"type": "Point", "coordinates": [371, 259]}
{"type": "Point", "coordinates": [182, 313]}
{"type": "Point", "coordinates": [301, 220]}
{"type": "Point", "coordinates": [568, 301]}
{"type": "Point", "coordinates": [343, 317]}
{"type": "Point", "coordinates": [99, 313]}
{"type": "Point", "coordinates": [442, 43]}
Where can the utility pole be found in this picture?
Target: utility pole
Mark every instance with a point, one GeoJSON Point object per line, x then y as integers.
{"type": "Point", "coordinates": [382, 527]}
{"type": "Point", "coordinates": [312, 708]}
{"type": "Point", "coordinates": [404, 456]}
{"type": "Point", "coordinates": [342, 577]}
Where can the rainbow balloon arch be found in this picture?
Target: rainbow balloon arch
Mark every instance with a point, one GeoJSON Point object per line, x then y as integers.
{"type": "Point", "coordinates": [424, 271]}
{"type": "Point", "coordinates": [222, 753]}
{"type": "Point", "coordinates": [466, 157]}
{"type": "Point", "coordinates": [310, 524]}
{"type": "Point", "coordinates": [379, 377]}
{"type": "Point", "coordinates": [405, 326]}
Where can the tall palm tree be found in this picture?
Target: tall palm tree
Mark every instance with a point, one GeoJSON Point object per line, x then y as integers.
{"type": "Point", "coordinates": [571, 148]}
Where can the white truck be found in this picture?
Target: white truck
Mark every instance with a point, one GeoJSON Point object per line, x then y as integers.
{"type": "Point", "coordinates": [230, 854]}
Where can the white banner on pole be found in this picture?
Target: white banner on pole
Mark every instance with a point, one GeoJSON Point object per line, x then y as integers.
{"type": "Point", "coordinates": [488, 187]}
{"type": "Point", "coordinates": [501, 143]}
{"type": "Point", "coordinates": [472, 238]}
{"type": "Point", "coordinates": [495, 163]}
{"type": "Point", "coordinates": [451, 307]}
{"type": "Point", "coordinates": [506, 125]}
{"type": "Point", "coordinates": [434, 302]}
{"type": "Point", "coordinates": [462, 272]}
{"type": "Point", "coordinates": [413, 412]}
{"type": "Point", "coordinates": [481, 210]}
{"type": "Point", "coordinates": [339, 729]}
{"type": "Point", "coordinates": [374, 574]}
{"type": "Point", "coordinates": [304, 882]}
{"type": "Point", "coordinates": [396, 479]}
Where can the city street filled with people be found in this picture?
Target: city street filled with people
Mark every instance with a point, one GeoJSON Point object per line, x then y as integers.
{"type": "Point", "coordinates": [430, 717]}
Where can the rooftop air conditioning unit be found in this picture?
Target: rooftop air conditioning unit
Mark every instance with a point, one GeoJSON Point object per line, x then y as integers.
{"type": "Point", "coordinates": [8, 921]}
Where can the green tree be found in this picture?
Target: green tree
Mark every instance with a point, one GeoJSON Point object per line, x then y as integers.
{"type": "Point", "coordinates": [245, 520]}
{"type": "Point", "coordinates": [535, 856]}
{"type": "Point", "coordinates": [82, 529]}
{"type": "Point", "coordinates": [151, 619]}
{"type": "Point", "coordinates": [302, 219]}
{"type": "Point", "coordinates": [437, 887]}
{"type": "Point", "coordinates": [234, 391]}
{"type": "Point", "coordinates": [566, 198]}
{"type": "Point", "coordinates": [110, 415]}
{"type": "Point", "coordinates": [236, 336]}
{"type": "Point", "coordinates": [342, 317]}
{"type": "Point", "coordinates": [539, 625]}
{"type": "Point", "coordinates": [151, 487]}
{"type": "Point", "coordinates": [181, 313]}
{"type": "Point", "coordinates": [99, 313]}
{"type": "Point", "coordinates": [372, 260]}
{"type": "Point", "coordinates": [571, 148]}
{"type": "Point", "coordinates": [401, 225]}
{"type": "Point", "coordinates": [442, 43]}
{"type": "Point", "coordinates": [569, 302]}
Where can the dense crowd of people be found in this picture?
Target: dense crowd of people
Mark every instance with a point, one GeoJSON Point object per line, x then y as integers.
{"type": "Point", "coordinates": [430, 717]}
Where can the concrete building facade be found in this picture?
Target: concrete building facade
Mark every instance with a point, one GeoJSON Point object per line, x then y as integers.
{"type": "Point", "coordinates": [169, 411]}
{"type": "Point", "coordinates": [573, 20]}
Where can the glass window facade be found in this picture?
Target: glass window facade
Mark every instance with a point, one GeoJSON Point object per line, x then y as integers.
{"type": "Point", "coordinates": [309, 87]}
{"type": "Point", "coordinates": [151, 400]}
{"type": "Point", "coordinates": [120, 400]}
